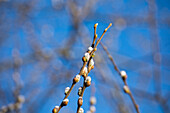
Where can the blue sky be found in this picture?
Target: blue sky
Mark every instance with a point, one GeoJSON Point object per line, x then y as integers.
{"type": "Point", "coordinates": [128, 40]}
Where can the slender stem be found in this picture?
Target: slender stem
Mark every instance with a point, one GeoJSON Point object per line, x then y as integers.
{"type": "Point", "coordinates": [102, 35]}
{"type": "Point", "coordinates": [84, 87]}
{"type": "Point", "coordinates": [95, 35]}
{"type": "Point", "coordinates": [66, 96]}
{"type": "Point", "coordinates": [78, 109]}
{"type": "Point", "coordinates": [73, 84]}
{"type": "Point", "coordinates": [94, 49]}
{"type": "Point", "coordinates": [84, 64]}
{"type": "Point", "coordinates": [81, 96]}
{"type": "Point", "coordinates": [69, 90]}
{"type": "Point", "coordinates": [118, 71]}
{"type": "Point", "coordinates": [134, 103]}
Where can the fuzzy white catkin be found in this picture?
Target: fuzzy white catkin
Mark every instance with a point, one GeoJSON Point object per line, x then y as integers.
{"type": "Point", "coordinates": [88, 79]}
{"type": "Point", "coordinates": [92, 109]}
{"type": "Point", "coordinates": [123, 73]}
{"type": "Point", "coordinates": [21, 98]}
{"type": "Point", "coordinates": [81, 110]}
{"type": "Point", "coordinates": [67, 90]}
{"type": "Point", "coordinates": [80, 91]}
{"type": "Point", "coordinates": [87, 56]}
{"type": "Point", "coordinates": [57, 107]}
{"type": "Point", "coordinates": [66, 100]}
{"type": "Point", "coordinates": [126, 89]}
{"type": "Point", "coordinates": [90, 49]}
{"type": "Point", "coordinates": [91, 62]}
{"type": "Point", "coordinates": [78, 77]}
{"type": "Point", "coordinates": [85, 70]}
{"type": "Point", "coordinates": [92, 100]}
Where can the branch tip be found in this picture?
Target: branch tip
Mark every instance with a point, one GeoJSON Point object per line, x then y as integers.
{"type": "Point", "coordinates": [95, 25]}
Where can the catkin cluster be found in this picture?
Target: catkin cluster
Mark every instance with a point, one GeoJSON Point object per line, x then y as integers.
{"type": "Point", "coordinates": [88, 65]}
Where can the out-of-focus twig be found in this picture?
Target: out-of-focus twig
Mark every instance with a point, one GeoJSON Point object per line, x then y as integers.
{"type": "Point", "coordinates": [126, 88]}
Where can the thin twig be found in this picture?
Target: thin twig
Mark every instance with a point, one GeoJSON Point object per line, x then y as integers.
{"type": "Point", "coordinates": [94, 49]}
{"type": "Point", "coordinates": [73, 84]}
{"type": "Point", "coordinates": [102, 35]}
{"type": "Point", "coordinates": [124, 80]}
{"type": "Point", "coordinates": [95, 35]}
{"type": "Point", "coordinates": [84, 64]}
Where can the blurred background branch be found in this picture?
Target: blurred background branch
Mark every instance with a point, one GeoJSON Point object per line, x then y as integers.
{"type": "Point", "coordinates": [42, 43]}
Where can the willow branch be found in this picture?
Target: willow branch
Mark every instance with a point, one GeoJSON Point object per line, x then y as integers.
{"type": "Point", "coordinates": [124, 80]}
{"type": "Point", "coordinates": [94, 49]}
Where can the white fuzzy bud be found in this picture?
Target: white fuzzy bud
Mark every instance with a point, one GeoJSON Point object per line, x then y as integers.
{"type": "Point", "coordinates": [81, 110]}
{"type": "Point", "coordinates": [87, 56]}
{"type": "Point", "coordinates": [88, 79]}
{"type": "Point", "coordinates": [126, 89]}
{"type": "Point", "coordinates": [92, 109]}
{"type": "Point", "coordinates": [66, 100]}
{"type": "Point", "coordinates": [91, 62]}
{"type": "Point", "coordinates": [76, 78]}
{"type": "Point", "coordinates": [56, 108]}
{"type": "Point", "coordinates": [92, 100]}
{"type": "Point", "coordinates": [123, 73]}
{"type": "Point", "coordinates": [80, 91]}
{"type": "Point", "coordinates": [67, 90]}
{"type": "Point", "coordinates": [21, 98]}
{"type": "Point", "coordinates": [90, 49]}
{"type": "Point", "coordinates": [80, 101]}
{"type": "Point", "coordinates": [85, 70]}
{"type": "Point", "coordinates": [95, 25]}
